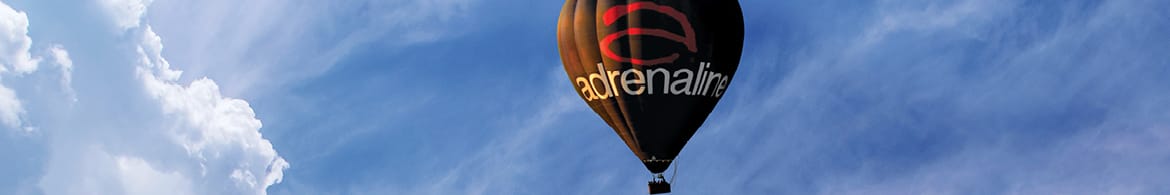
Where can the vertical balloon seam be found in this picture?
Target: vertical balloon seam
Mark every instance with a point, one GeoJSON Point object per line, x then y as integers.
{"type": "Point", "coordinates": [607, 110]}
{"type": "Point", "coordinates": [567, 49]}
{"type": "Point", "coordinates": [634, 53]}
{"type": "Point", "coordinates": [621, 103]}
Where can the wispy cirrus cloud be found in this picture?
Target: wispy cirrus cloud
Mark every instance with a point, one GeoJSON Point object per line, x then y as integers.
{"type": "Point", "coordinates": [465, 97]}
{"type": "Point", "coordinates": [957, 97]}
{"type": "Point", "coordinates": [60, 57]}
{"type": "Point", "coordinates": [289, 42]}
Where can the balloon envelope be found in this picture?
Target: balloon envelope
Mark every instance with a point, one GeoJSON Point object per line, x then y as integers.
{"type": "Point", "coordinates": [653, 70]}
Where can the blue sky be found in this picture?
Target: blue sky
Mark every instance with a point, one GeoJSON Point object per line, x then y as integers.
{"type": "Point", "coordinates": [468, 97]}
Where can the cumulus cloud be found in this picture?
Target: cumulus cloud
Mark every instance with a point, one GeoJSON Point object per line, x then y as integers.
{"type": "Point", "coordinates": [184, 138]}
{"type": "Point", "coordinates": [11, 109]}
{"type": "Point", "coordinates": [125, 14]}
{"type": "Point", "coordinates": [134, 172]}
{"type": "Point", "coordinates": [214, 125]}
{"type": "Point", "coordinates": [14, 56]}
{"type": "Point", "coordinates": [15, 42]}
{"type": "Point", "coordinates": [221, 133]}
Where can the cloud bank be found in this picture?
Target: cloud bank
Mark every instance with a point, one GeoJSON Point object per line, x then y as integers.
{"type": "Point", "coordinates": [222, 134]}
{"type": "Point", "coordinates": [15, 60]}
{"type": "Point", "coordinates": [131, 125]}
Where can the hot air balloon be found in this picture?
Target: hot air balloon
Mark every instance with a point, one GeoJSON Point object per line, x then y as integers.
{"type": "Point", "coordinates": [653, 70]}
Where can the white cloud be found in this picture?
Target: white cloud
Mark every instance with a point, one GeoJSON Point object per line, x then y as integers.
{"type": "Point", "coordinates": [14, 41]}
{"type": "Point", "coordinates": [219, 132]}
{"type": "Point", "coordinates": [11, 109]}
{"type": "Point", "coordinates": [134, 172]}
{"type": "Point", "coordinates": [61, 58]}
{"type": "Point", "coordinates": [172, 138]}
{"type": "Point", "coordinates": [14, 54]}
{"type": "Point", "coordinates": [16, 59]}
{"type": "Point", "coordinates": [126, 14]}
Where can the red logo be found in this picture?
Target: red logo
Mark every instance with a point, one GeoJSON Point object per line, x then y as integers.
{"type": "Point", "coordinates": [616, 12]}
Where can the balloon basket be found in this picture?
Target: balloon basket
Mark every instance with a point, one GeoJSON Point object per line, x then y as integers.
{"type": "Point", "coordinates": [659, 186]}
